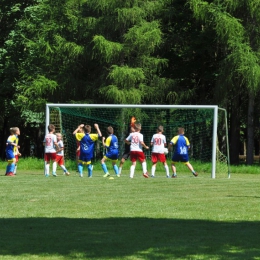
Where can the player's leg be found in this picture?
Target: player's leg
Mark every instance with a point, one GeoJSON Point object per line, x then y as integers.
{"type": "Point", "coordinates": [141, 158]}
{"type": "Point", "coordinates": [80, 168]}
{"type": "Point", "coordinates": [54, 164]}
{"type": "Point", "coordinates": [123, 159]}
{"type": "Point", "coordinates": [191, 169]}
{"type": "Point", "coordinates": [154, 161]}
{"type": "Point", "coordinates": [104, 166]}
{"type": "Point", "coordinates": [10, 167]}
{"type": "Point", "coordinates": [47, 159]}
{"type": "Point", "coordinates": [60, 162]}
{"type": "Point", "coordinates": [90, 169]}
{"type": "Point", "coordinates": [162, 159]}
{"type": "Point", "coordinates": [16, 162]}
{"type": "Point", "coordinates": [115, 167]}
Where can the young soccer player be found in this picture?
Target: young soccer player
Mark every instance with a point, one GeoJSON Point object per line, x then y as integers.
{"type": "Point", "coordinates": [60, 154]}
{"type": "Point", "coordinates": [182, 145]}
{"type": "Point", "coordinates": [135, 140]}
{"type": "Point", "coordinates": [87, 145]}
{"type": "Point", "coordinates": [12, 151]}
{"type": "Point", "coordinates": [111, 146]}
{"type": "Point", "coordinates": [51, 145]}
{"type": "Point", "coordinates": [126, 153]}
{"type": "Point", "coordinates": [158, 143]}
{"type": "Point", "coordinates": [78, 148]}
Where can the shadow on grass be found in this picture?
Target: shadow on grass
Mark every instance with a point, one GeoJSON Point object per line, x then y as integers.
{"type": "Point", "coordinates": [141, 238]}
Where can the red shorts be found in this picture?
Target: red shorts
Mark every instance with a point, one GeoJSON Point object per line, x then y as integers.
{"type": "Point", "coordinates": [158, 157]}
{"type": "Point", "coordinates": [136, 155]}
{"type": "Point", "coordinates": [49, 156]}
{"type": "Point", "coordinates": [60, 159]}
{"type": "Point", "coordinates": [16, 158]}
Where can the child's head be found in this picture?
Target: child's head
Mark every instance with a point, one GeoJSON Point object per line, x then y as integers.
{"type": "Point", "coordinates": [51, 128]}
{"type": "Point", "coordinates": [181, 130]}
{"type": "Point", "coordinates": [160, 129]}
{"type": "Point", "coordinates": [59, 136]}
{"type": "Point", "coordinates": [110, 130]}
{"type": "Point", "coordinates": [14, 131]}
{"type": "Point", "coordinates": [87, 129]}
{"type": "Point", "coordinates": [138, 127]}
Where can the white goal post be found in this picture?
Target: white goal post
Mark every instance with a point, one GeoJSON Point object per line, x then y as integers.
{"type": "Point", "coordinates": [103, 107]}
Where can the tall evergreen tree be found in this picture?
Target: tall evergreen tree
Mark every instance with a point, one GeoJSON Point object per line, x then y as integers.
{"type": "Point", "coordinates": [237, 28]}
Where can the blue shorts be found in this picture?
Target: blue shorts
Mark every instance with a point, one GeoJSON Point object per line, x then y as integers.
{"type": "Point", "coordinates": [180, 158]}
{"type": "Point", "coordinates": [10, 155]}
{"type": "Point", "coordinates": [112, 155]}
{"type": "Point", "coordinates": [85, 158]}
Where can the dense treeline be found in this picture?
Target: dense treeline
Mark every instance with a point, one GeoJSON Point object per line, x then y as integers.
{"type": "Point", "coordinates": [130, 52]}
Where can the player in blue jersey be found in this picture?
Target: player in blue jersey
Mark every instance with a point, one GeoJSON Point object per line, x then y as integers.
{"type": "Point", "coordinates": [182, 145]}
{"type": "Point", "coordinates": [87, 145]}
{"type": "Point", "coordinates": [112, 153]}
{"type": "Point", "coordinates": [11, 151]}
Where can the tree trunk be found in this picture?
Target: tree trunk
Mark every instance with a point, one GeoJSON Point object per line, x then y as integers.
{"type": "Point", "coordinates": [250, 129]}
{"type": "Point", "coordinates": [234, 130]}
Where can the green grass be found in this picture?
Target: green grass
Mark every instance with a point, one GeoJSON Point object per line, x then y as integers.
{"type": "Point", "coordinates": [98, 218]}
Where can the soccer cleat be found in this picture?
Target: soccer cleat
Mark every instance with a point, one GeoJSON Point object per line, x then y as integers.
{"type": "Point", "coordinates": [81, 175]}
{"type": "Point", "coordinates": [89, 176]}
{"type": "Point", "coordinates": [54, 174]}
{"type": "Point", "coordinates": [9, 174]}
{"type": "Point", "coordinates": [174, 176]}
{"type": "Point", "coordinates": [167, 176]}
{"type": "Point", "coordinates": [146, 175]}
{"type": "Point", "coordinates": [106, 175]}
{"type": "Point", "coordinates": [195, 174]}
{"type": "Point", "coordinates": [152, 176]}
{"type": "Point", "coordinates": [118, 175]}
{"type": "Point", "coordinates": [46, 175]}
{"type": "Point", "coordinates": [67, 173]}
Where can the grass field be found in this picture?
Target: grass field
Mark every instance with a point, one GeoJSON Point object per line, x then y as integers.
{"type": "Point", "coordinates": [98, 218]}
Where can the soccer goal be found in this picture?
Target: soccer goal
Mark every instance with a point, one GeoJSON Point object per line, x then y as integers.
{"type": "Point", "coordinates": [205, 127]}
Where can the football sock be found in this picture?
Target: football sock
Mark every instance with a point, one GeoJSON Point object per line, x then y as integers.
{"type": "Point", "coordinates": [153, 170]}
{"type": "Point", "coordinates": [119, 170]}
{"type": "Point", "coordinates": [80, 168]}
{"type": "Point", "coordinates": [116, 169]}
{"type": "Point", "coordinates": [132, 171]}
{"type": "Point", "coordinates": [167, 170]}
{"type": "Point", "coordinates": [90, 167]}
{"type": "Point", "coordinates": [104, 167]}
{"type": "Point", "coordinates": [47, 169]}
{"type": "Point", "coordinates": [54, 166]}
{"type": "Point", "coordinates": [144, 166]}
{"type": "Point", "coordinates": [63, 168]}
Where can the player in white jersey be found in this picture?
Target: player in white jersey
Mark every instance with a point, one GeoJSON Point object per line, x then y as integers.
{"type": "Point", "coordinates": [158, 142]}
{"type": "Point", "coordinates": [50, 143]}
{"type": "Point", "coordinates": [135, 140]}
{"type": "Point", "coordinates": [60, 154]}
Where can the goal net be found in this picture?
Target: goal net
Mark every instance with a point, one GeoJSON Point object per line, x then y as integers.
{"type": "Point", "coordinates": [205, 127]}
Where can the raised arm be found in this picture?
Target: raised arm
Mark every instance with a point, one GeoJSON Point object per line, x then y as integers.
{"type": "Point", "coordinates": [78, 128]}
{"type": "Point", "coordinates": [98, 130]}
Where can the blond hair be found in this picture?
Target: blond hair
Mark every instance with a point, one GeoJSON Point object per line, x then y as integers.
{"type": "Point", "coordinates": [138, 127]}
{"type": "Point", "coordinates": [13, 130]}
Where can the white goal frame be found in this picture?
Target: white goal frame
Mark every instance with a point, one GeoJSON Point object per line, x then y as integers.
{"type": "Point", "coordinates": [106, 106]}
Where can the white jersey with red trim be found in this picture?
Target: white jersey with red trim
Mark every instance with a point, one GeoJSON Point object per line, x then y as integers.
{"type": "Point", "coordinates": [136, 139]}
{"type": "Point", "coordinates": [49, 141]}
{"type": "Point", "coordinates": [61, 145]}
{"type": "Point", "coordinates": [159, 141]}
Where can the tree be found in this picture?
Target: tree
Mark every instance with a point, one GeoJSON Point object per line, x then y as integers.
{"type": "Point", "coordinates": [236, 24]}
